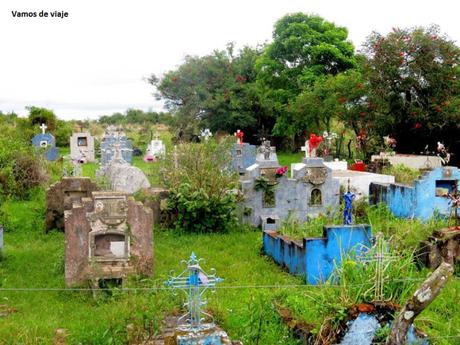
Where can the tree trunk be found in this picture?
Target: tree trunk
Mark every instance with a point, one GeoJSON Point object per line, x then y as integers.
{"type": "Point", "coordinates": [430, 288]}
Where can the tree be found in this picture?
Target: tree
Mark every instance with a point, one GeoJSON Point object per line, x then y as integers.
{"type": "Point", "coordinates": [413, 77]}
{"type": "Point", "coordinates": [305, 48]}
{"type": "Point", "coordinates": [37, 116]}
{"type": "Point", "coordinates": [216, 91]}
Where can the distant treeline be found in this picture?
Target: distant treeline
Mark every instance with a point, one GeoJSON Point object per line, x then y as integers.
{"type": "Point", "coordinates": [137, 116]}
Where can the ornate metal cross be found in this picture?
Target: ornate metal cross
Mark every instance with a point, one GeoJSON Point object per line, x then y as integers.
{"type": "Point", "coordinates": [379, 254]}
{"type": "Point", "coordinates": [194, 281]}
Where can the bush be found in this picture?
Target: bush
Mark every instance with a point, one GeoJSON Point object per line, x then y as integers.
{"type": "Point", "coordinates": [20, 170]}
{"type": "Point", "coordinates": [202, 187]}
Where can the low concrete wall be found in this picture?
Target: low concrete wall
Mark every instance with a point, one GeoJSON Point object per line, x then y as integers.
{"type": "Point", "coordinates": [411, 161]}
{"type": "Point", "coordinates": [360, 181]}
{"type": "Point", "coordinates": [316, 258]}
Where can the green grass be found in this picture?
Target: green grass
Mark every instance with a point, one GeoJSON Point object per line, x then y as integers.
{"type": "Point", "coordinates": [287, 158]}
{"type": "Point", "coordinates": [246, 305]}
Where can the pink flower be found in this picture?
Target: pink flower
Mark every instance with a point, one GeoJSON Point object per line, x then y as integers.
{"type": "Point", "coordinates": [281, 171]}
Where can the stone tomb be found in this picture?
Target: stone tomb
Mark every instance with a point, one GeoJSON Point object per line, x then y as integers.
{"type": "Point", "coordinates": [82, 147]}
{"type": "Point", "coordinates": [360, 181]}
{"type": "Point", "coordinates": [107, 236]}
{"type": "Point", "coordinates": [47, 143]}
{"type": "Point", "coordinates": [155, 150]}
{"type": "Point", "coordinates": [310, 191]}
{"type": "Point", "coordinates": [61, 195]}
{"type": "Point", "coordinates": [427, 196]}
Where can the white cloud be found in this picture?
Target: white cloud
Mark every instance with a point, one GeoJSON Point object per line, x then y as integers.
{"type": "Point", "coordinates": [95, 61]}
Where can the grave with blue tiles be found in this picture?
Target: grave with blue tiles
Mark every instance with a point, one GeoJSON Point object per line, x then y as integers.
{"type": "Point", "coordinates": [426, 197]}
{"type": "Point", "coordinates": [195, 326]}
{"type": "Point", "coordinates": [46, 143]}
{"type": "Point", "coordinates": [115, 137]}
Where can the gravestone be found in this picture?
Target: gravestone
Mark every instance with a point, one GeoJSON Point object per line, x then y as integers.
{"type": "Point", "coordinates": [270, 196]}
{"type": "Point", "coordinates": [113, 138]}
{"type": "Point", "coordinates": [122, 176]}
{"type": "Point", "coordinates": [47, 143]}
{"type": "Point", "coordinates": [82, 147]}
{"type": "Point", "coordinates": [107, 236]}
{"type": "Point", "coordinates": [155, 150]}
{"type": "Point", "coordinates": [426, 197]}
{"type": "Point", "coordinates": [243, 154]}
{"type": "Point", "coordinates": [60, 197]}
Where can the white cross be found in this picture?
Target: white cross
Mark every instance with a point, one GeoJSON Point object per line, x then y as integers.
{"type": "Point", "coordinates": [308, 153]}
{"type": "Point", "coordinates": [43, 127]}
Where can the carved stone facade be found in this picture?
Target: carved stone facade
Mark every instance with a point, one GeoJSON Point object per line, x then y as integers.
{"type": "Point", "coordinates": [311, 190]}
{"type": "Point", "coordinates": [107, 236]}
{"type": "Point", "coordinates": [60, 197]}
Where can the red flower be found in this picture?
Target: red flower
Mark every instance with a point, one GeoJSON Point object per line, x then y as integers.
{"type": "Point", "coordinates": [281, 171]}
{"type": "Point", "coordinates": [342, 99]}
{"type": "Point", "coordinates": [314, 141]}
{"type": "Point", "coordinates": [417, 125]}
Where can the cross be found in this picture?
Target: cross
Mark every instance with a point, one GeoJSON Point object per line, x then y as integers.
{"type": "Point", "coordinates": [176, 164]}
{"type": "Point", "coordinates": [306, 149]}
{"type": "Point", "coordinates": [379, 254]}
{"type": "Point", "coordinates": [206, 134]}
{"type": "Point", "coordinates": [43, 127]}
{"type": "Point", "coordinates": [239, 136]}
{"type": "Point", "coordinates": [194, 281]}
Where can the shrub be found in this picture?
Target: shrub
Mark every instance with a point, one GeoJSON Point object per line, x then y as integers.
{"type": "Point", "coordinates": [201, 185]}
{"type": "Point", "coordinates": [20, 170]}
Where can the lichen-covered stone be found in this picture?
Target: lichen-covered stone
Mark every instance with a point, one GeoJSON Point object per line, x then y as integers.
{"type": "Point", "coordinates": [60, 197]}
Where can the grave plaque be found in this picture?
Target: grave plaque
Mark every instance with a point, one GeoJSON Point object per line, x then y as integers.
{"type": "Point", "coordinates": [315, 175]}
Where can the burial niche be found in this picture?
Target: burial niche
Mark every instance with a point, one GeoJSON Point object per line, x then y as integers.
{"type": "Point", "coordinates": [316, 197]}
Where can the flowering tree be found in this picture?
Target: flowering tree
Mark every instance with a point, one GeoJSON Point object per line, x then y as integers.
{"type": "Point", "coordinates": [413, 77]}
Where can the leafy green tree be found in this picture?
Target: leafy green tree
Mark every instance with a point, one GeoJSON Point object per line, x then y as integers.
{"type": "Point", "coordinates": [216, 91]}
{"type": "Point", "coordinates": [38, 115]}
{"type": "Point", "coordinates": [304, 49]}
{"type": "Point", "coordinates": [413, 76]}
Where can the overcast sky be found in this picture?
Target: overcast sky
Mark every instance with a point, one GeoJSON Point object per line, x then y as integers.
{"type": "Point", "coordinates": [95, 61]}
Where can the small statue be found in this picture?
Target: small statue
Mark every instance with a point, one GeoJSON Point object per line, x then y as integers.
{"type": "Point", "coordinates": [265, 148]}
{"type": "Point", "coordinates": [443, 154]}
{"type": "Point", "coordinates": [348, 198]}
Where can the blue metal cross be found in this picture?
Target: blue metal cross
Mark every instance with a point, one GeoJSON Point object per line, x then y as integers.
{"type": "Point", "coordinates": [194, 281]}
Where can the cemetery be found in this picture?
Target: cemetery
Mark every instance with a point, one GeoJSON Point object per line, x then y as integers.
{"type": "Point", "coordinates": [279, 198]}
